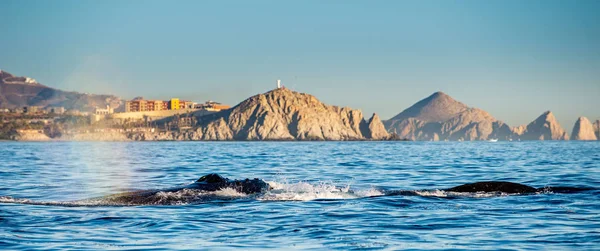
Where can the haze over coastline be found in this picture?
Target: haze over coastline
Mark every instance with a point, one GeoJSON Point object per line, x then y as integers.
{"type": "Point", "coordinates": [513, 59]}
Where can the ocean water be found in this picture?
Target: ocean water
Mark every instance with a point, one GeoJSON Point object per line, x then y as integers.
{"type": "Point", "coordinates": [327, 196]}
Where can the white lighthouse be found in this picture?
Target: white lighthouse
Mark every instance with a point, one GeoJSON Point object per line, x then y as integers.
{"type": "Point", "coordinates": [278, 84]}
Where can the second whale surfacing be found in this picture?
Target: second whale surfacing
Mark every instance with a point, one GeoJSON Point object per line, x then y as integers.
{"type": "Point", "coordinates": [493, 186]}
{"type": "Point", "coordinates": [500, 187]}
{"type": "Point", "coordinates": [510, 188]}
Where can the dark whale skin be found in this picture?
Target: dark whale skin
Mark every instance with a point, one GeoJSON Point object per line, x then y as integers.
{"type": "Point", "coordinates": [493, 186]}
{"type": "Point", "coordinates": [511, 188]}
{"type": "Point", "coordinates": [214, 182]}
{"type": "Point", "coordinates": [209, 183]}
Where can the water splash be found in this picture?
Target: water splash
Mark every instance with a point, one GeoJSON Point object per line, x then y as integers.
{"type": "Point", "coordinates": [303, 191]}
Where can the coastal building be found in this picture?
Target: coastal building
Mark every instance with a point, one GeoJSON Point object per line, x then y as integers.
{"type": "Point", "coordinates": [30, 109]}
{"type": "Point", "coordinates": [55, 110]}
{"type": "Point", "coordinates": [174, 104]}
{"type": "Point", "coordinates": [104, 111]}
{"type": "Point", "coordinates": [212, 106]}
{"type": "Point", "coordinates": [135, 105]}
{"type": "Point", "coordinates": [186, 105]}
{"type": "Point", "coordinates": [142, 105]}
{"type": "Point", "coordinates": [156, 105]}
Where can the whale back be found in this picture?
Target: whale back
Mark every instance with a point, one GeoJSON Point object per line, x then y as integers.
{"type": "Point", "coordinates": [213, 182]}
{"type": "Point", "coordinates": [493, 186]}
{"type": "Point", "coordinates": [248, 186]}
{"type": "Point", "coordinates": [212, 179]}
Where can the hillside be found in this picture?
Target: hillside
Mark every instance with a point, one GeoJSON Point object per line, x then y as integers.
{"type": "Point", "coordinates": [17, 92]}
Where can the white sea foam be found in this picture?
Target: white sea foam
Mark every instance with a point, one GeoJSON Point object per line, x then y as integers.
{"type": "Point", "coordinates": [229, 193]}
{"type": "Point", "coordinates": [187, 196]}
{"type": "Point", "coordinates": [8, 199]}
{"type": "Point", "coordinates": [303, 191]}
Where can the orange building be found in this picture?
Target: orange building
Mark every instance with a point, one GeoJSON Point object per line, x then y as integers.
{"type": "Point", "coordinates": [141, 105]}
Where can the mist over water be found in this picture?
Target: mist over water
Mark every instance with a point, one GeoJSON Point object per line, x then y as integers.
{"type": "Point", "coordinates": [327, 195]}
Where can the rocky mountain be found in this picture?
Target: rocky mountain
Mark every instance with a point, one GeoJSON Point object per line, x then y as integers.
{"type": "Point", "coordinates": [281, 114]}
{"type": "Point", "coordinates": [583, 130]}
{"type": "Point", "coordinates": [597, 129]}
{"type": "Point", "coordinates": [17, 92]}
{"type": "Point", "coordinates": [440, 117]}
{"type": "Point", "coordinates": [545, 127]}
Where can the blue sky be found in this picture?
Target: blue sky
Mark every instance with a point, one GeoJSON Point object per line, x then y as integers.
{"type": "Point", "coordinates": [514, 59]}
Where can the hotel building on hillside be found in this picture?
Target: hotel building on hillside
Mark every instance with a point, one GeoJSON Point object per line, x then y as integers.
{"type": "Point", "coordinates": [142, 105]}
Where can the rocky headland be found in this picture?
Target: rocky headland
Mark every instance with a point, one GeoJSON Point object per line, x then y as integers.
{"type": "Point", "coordinates": [440, 117]}
{"type": "Point", "coordinates": [280, 114]}
{"type": "Point", "coordinates": [283, 114]}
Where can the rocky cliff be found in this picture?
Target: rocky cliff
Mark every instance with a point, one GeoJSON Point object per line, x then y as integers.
{"type": "Point", "coordinates": [583, 130]}
{"type": "Point", "coordinates": [16, 92]}
{"type": "Point", "coordinates": [280, 114]}
{"type": "Point", "coordinates": [440, 117]}
{"type": "Point", "coordinates": [597, 129]}
{"type": "Point", "coordinates": [545, 127]}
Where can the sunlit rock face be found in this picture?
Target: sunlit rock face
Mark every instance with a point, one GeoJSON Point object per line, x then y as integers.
{"type": "Point", "coordinates": [583, 130]}
{"type": "Point", "coordinates": [440, 117]}
{"type": "Point", "coordinates": [597, 129]}
{"type": "Point", "coordinates": [545, 127]}
{"type": "Point", "coordinates": [283, 114]}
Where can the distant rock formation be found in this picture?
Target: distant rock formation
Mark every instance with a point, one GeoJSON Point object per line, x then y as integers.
{"type": "Point", "coordinates": [17, 92]}
{"type": "Point", "coordinates": [280, 114]}
{"type": "Point", "coordinates": [583, 130]}
{"type": "Point", "coordinates": [545, 127]}
{"type": "Point", "coordinates": [375, 129]}
{"type": "Point", "coordinates": [440, 117]}
{"type": "Point", "coordinates": [597, 129]}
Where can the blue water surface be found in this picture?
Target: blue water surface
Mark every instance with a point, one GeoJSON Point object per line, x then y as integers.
{"type": "Point", "coordinates": [313, 209]}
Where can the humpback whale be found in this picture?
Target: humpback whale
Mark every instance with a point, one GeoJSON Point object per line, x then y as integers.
{"type": "Point", "coordinates": [200, 191]}
{"type": "Point", "coordinates": [510, 188]}
{"type": "Point", "coordinates": [214, 182]}
{"type": "Point", "coordinates": [207, 183]}
{"type": "Point", "coordinates": [493, 186]}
